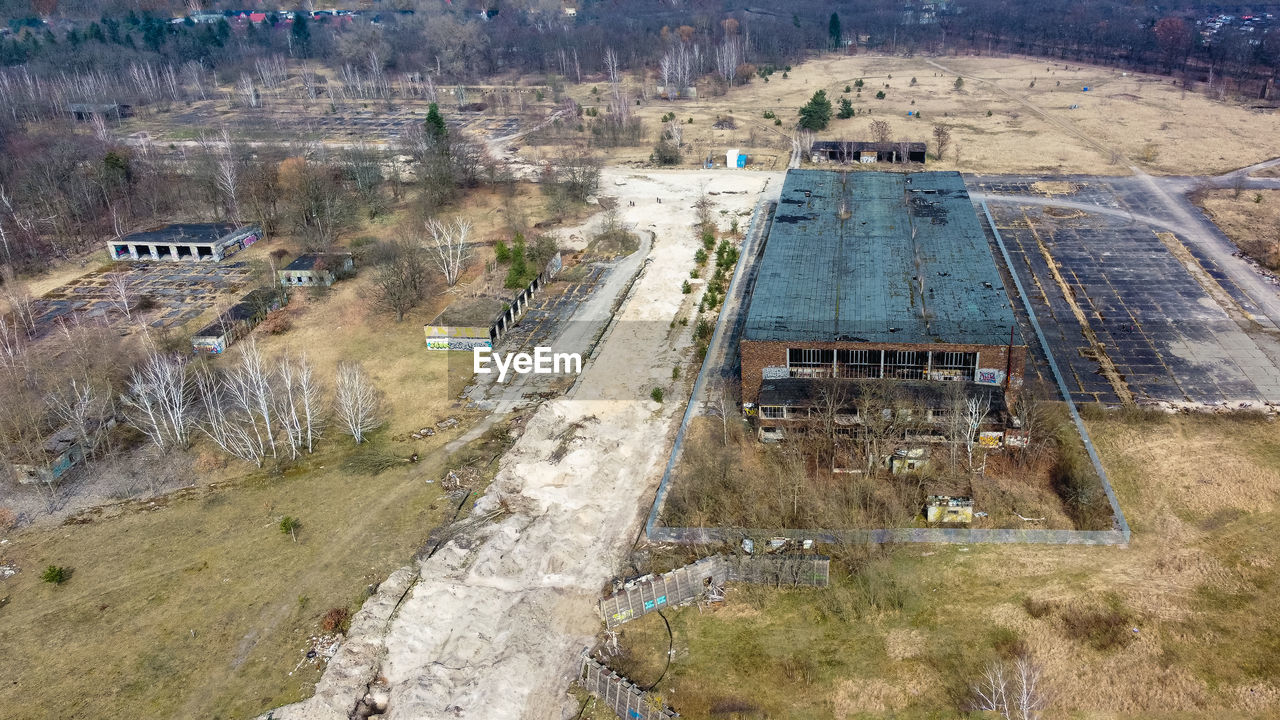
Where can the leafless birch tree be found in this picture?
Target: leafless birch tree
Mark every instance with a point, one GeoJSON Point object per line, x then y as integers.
{"type": "Point", "coordinates": [448, 244]}
{"type": "Point", "coordinates": [85, 408]}
{"type": "Point", "coordinates": [1013, 693]}
{"type": "Point", "coordinates": [121, 294]}
{"type": "Point", "coordinates": [158, 400]}
{"type": "Point", "coordinates": [356, 401]}
{"type": "Point", "coordinates": [976, 410]}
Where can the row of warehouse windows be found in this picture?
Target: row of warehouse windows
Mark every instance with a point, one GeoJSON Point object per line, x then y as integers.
{"type": "Point", "coordinates": [893, 364]}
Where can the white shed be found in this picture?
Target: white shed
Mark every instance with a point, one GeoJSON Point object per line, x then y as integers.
{"type": "Point", "coordinates": [731, 158]}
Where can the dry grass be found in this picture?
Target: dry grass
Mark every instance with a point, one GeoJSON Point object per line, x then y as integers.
{"type": "Point", "coordinates": [1142, 118]}
{"type": "Point", "coordinates": [907, 628]}
{"type": "Point", "coordinates": [748, 484]}
{"type": "Point", "coordinates": [196, 605]}
{"type": "Point", "coordinates": [1251, 218]}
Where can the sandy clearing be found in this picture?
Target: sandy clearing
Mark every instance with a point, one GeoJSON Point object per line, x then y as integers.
{"type": "Point", "coordinates": [495, 623]}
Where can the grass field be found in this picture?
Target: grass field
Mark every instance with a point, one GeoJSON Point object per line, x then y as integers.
{"type": "Point", "coordinates": [196, 605]}
{"type": "Point", "coordinates": [1182, 623]}
{"type": "Point", "coordinates": [1251, 218]}
{"type": "Point", "coordinates": [1000, 122]}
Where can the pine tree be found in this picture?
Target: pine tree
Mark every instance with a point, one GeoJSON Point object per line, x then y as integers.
{"type": "Point", "coordinates": [816, 114]}
{"type": "Point", "coordinates": [435, 123]}
{"type": "Point", "coordinates": [833, 29]}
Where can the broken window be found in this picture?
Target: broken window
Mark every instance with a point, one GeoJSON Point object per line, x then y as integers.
{"type": "Point", "coordinates": [858, 363]}
{"type": "Point", "coordinates": [809, 363]}
{"type": "Point", "coordinates": [953, 366]}
{"type": "Point", "coordinates": [906, 364]}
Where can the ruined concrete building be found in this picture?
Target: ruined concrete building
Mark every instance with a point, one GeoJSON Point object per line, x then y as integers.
{"type": "Point", "coordinates": [873, 276]}
{"type": "Point", "coordinates": [184, 241]}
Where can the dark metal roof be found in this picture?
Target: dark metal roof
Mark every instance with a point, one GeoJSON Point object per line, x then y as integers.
{"type": "Point", "coordinates": [878, 257]}
{"type": "Point", "coordinates": [181, 232]}
{"type": "Point", "coordinates": [307, 261]}
{"type": "Point", "coordinates": [836, 146]}
{"type": "Point", "coordinates": [253, 306]}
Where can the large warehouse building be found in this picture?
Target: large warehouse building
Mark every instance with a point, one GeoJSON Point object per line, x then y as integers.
{"type": "Point", "coordinates": [875, 275]}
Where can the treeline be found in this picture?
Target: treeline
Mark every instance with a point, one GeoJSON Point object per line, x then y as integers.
{"type": "Point", "coordinates": [465, 41]}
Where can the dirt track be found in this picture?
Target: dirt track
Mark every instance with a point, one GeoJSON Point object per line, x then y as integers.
{"type": "Point", "coordinates": [494, 624]}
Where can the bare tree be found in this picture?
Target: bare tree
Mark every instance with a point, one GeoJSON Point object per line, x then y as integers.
{"type": "Point", "coordinates": [225, 173]}
{"type": "Point", "coordinates": [246, 90]}
{"type": "Point", "coordinates": [1016, 693]}
{"type": "Point", "coordinates": [449, 247]}
{"type": "Point", "coordinates": [219, 422]}
{"type": "Point", "coordinates": [356, 401]}
{"type": "Point", "coordinates": [400, 281]}
{"type": "Point", "coordinates": [310, 400]}
{"type": "Point", "coordinates": [21, 303]}
{"type": "Point", "coordinates": [158, 400]}
{"type": "Point", "coordinates": [85, 408]}
{"type": "Point", "coordinates": [976, 410]}
{"type": "Point", "coordinates": [880, 130]}
{"type": "Point", "coordinates": [121, 294]}
{"type": "Point", "coordinates": [941, 138]}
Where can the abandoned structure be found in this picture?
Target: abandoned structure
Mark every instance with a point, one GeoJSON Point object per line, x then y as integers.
{"type": "Point", "coordinates": [109, 111]}
{"type": "Point", "coordinates": [878, 276]}
{"type": "Point", "coordinates": [847, 151]}
{"type": "Point", "coordinates": [314, 269]}
{"type": "Point", "coordinates": [482, 321]}
{"type": "Point", "coordinates": [61, 452]}
{"type": "Point", "coordinates": [238, 320]}
{"type": "Point", "coordinates": [185, 241]}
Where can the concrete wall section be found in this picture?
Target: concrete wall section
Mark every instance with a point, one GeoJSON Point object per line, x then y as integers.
{"type": "Point", "coordinates": [620, 694]}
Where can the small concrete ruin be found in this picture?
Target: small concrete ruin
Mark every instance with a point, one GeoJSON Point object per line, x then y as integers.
{"type": "Point", "coordinates": [315, 269]}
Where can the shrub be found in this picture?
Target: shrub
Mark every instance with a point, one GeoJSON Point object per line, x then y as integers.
{"type": "Point", "coordinates": [879, 94]}
{"type": "Point", "coordinates": [686, 288]}
{"type": "Point", "coordinates": [1100, 628]}
{"type": "Point", "coordinates": [847, 88]}
{"type": "Point", "coordinates": [276, 322]}
{"type": "Point", "coordinates": [502, 252]}
{"type": "Point", "coordinates": [8, 519]}
{"type": "Point", "coordinates": [702, 330]}
{"type": "Point", "coordinates": [700, 257]}
{"type": "Point", "coordinates": [777, 121]}
{"type": "Point", "coordinates": [675, 373]}
{"type": "Point", "coordinates": [656, 394]}
{"type": "Point", "coordinates": [1037, 608]}
{"type": "Point", "coordinates": [55, 574]}
{"type": "Point", "coordinates": [289, 526]}
{"type": "Point", "coordinates": [958, 84]}
{"type": "Point", "coordinates": [708, 240]}
{"type": "Point", "coordinates": [856, 83]}
{"type": "Point", "coordinates": [336, 620]}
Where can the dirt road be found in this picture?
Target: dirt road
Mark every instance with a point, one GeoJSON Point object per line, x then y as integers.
{"type": "Point", "coordinates": [496, 620]}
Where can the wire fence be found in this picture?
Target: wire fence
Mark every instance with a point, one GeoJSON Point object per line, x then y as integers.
{"type": "Point", "coordinates": [651, 594]}
{"type": "Point", "coordinates": [1118, 535]}
{"type": "Point", "coordinates": [621, 695]}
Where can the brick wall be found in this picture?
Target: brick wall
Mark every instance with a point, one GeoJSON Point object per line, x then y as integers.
{"type": "Point", "coordinates": [757, 355]}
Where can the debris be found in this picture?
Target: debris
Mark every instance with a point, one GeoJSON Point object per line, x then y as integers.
{"type": "Point", "coordinates": [8, 571]}
{"type": "Point", "coordinates": [447, 423]}
{"type": "Point", "coordinates": [426, 432]}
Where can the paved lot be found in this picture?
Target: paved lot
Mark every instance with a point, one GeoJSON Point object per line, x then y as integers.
{"type": "Point", "coordinates": [179, 292]}
{"type": "Point", "coordinates": [1172, 335]}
